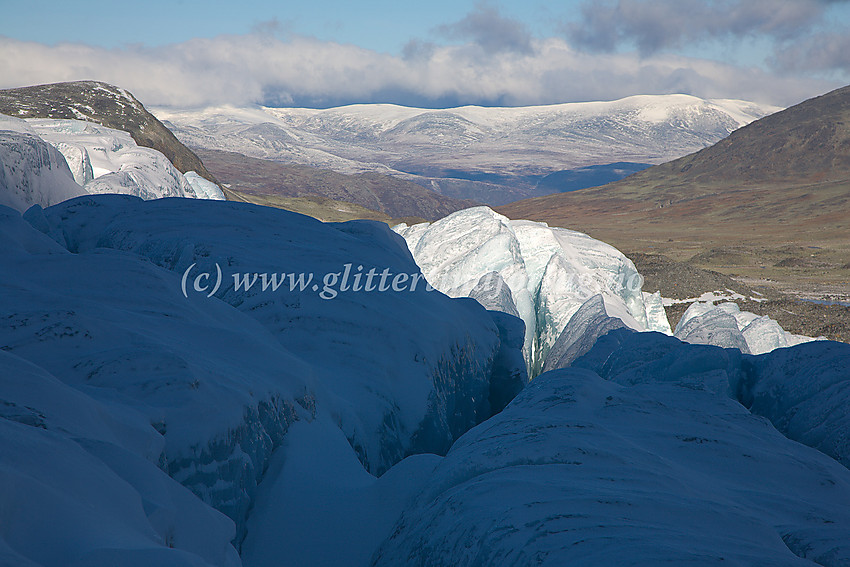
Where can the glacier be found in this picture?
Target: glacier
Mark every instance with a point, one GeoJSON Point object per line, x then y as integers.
{"type": "Point", "coordinates": [156, 427]}
{"type": "Point", "coordinates": [33, 172]}
{"type": "Point", "coordinates": [646, 450]}
{"type": "Point", "coordinates": [206, 389]}
{"type": "Point", "coordinates": [548, 273]}
{"type": "Point", "coordinates": [103, 160]}
{"type": "Point", "coordinates": [725, 325]}
{"type": "Point", "coordinates": [587, 471]}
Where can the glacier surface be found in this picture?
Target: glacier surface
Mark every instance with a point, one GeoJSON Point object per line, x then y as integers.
{"type": "Point", "coordinates": [547, 273]}
{"type": "Point", "coordinates": [641, 453]}
{"type": "Point", "coordinates": [725, 325]}
{"type": "Point", "coordinates": [579, 470]}
{"type": "Point", "coordinates": [198, 392]}
{"type": "Point", "coordinates": [100, 159]}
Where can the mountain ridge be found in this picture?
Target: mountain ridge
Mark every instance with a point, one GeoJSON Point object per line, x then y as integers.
{"type": "Point", "coordinates": [491, 154]}
{"type": "Point", "coordinates": [267, 182]}
{"type": "Point", "coordinates": [105, 104]}
{"type": "Point", "coordinates": [769, 202]}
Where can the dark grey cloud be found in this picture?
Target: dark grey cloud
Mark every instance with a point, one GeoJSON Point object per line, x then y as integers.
{"type": "Point", "coordinates": [653, 25]}
{"type": "Point", "coordinates": [822, 53]}
{"type": "Point", "coordinates": [486, 27]}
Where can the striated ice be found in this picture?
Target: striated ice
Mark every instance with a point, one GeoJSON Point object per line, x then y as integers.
{"type": "Point", "coordinates": [202, 188]}
{"type": "Point", "coordinates": [707, 323]}
{"type": "Point", "coordinates": [590, 322]}
{"type": "Point", "coordinates": [579, 470]}
{"type": "Point", "coordinates": [92, 295]}
{"type": "Point", "coordinates": [32, 172]}
{"type": "Point", "coordinates": [711, 327]}
{"type": "Point", "coordinates": [105, 160]}
{"type": "Point", "coordinates": [550, 272]}
{"type": "Point", "coordinates": [493, 293]}
{"type": "Point", "coordinates": [78, 160]}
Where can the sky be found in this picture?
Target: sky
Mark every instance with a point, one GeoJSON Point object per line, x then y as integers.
{"type": "Point", "coordinates": [440, 53]}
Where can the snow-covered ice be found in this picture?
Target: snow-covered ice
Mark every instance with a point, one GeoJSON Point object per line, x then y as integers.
{"type": "Point", "coordinates": [580, 470]}
{"type": "Point", "coordinates": [725, 325]}
{"type": "Point", "coordinates": [33, 172]}
{"type": "Point", "coordinates": [548, 272]}
{"type": "Point", "coordinates": [209, 387]}
{"type": "Point", "coordinates": [101, 160]}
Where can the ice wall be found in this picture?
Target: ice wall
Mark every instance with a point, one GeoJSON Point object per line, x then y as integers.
{"type": "Point", "coordinates": [549, 272]}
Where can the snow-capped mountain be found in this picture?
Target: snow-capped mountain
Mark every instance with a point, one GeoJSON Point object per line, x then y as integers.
{"type": "Point", "coordinates": [479, 147]}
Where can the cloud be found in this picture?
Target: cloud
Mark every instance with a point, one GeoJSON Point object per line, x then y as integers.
{"type": "Point", "coordinates": [261, 68]}
{"type": "Point", "coordinates": [653, 25]}
{"type": "Point", "coordinates": [486, 27]}
{"type": "Point", "coordinates": [826, 53]}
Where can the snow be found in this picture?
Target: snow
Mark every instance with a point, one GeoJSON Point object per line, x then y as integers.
{"type": "Point", "coordinates": [405, 141]}
{"type": "Point", "coordinates": [548, 272]}
{"type": "Point", "coordinates": [714, 296]}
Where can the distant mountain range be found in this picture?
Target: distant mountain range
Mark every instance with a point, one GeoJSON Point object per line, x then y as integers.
{"type": "Point", "coordinates": [771, 201]}
{"type": "Point", "coordinates": [790, 168]}
{"type": "Point", "coordinates": [492, 155]}
{"type": "Point", "coordinates": [271, 183]}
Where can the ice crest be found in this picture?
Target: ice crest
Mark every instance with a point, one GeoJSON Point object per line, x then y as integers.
{"type": "Point", "coordinates": [550, 272]}
{"type": "Point", "coordinates": [725, 325]}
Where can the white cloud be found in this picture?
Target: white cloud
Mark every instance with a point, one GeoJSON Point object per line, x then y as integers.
{"type": "Point", "coordinates": [262, 68]}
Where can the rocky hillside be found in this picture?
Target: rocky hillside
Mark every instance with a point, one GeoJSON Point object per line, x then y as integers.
{"type": "Point", "coordinates": [258, 180]}
{"type": "Point", "coordinates": [104, 104]}
{"type": "Point", "coordinates": [770, 202]}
